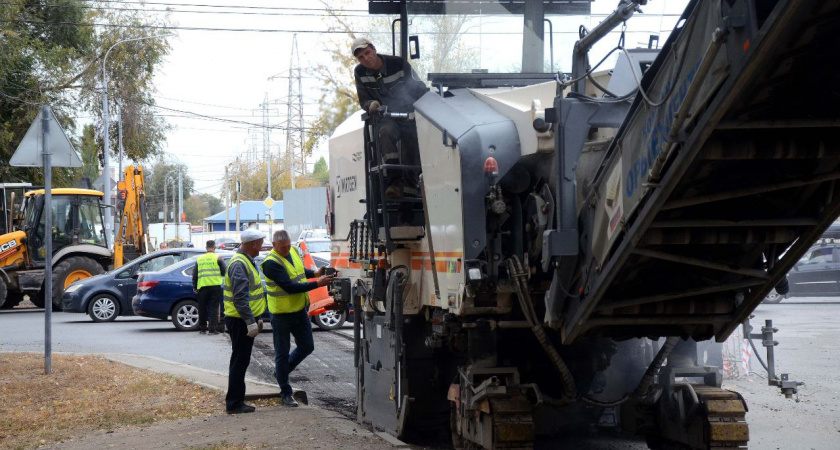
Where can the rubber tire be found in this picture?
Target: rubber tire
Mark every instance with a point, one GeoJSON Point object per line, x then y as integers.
{"type": "Point", "coordinates": [63, 269]}
{"type": "Point", "coordinates": [105, 298]}
{"type": "Point", "coordinates": [190, 313]}
{"type": "Point", "coordinates": [4, 291]}
{"type": "Point", "coordinates": [773, 297]}
{"type": "Point", "coordinates": [324, 326]}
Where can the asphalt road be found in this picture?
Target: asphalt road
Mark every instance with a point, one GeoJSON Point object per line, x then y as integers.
{"type": "Point", "coordinates": [807, 351]}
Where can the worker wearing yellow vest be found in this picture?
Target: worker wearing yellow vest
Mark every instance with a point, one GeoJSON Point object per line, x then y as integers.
{"type": "Point", "coordinates": [285, 280]}
{"type": "Point", "coordinates": [208, 275]}
{"type": "Point", "coordinates": [244, 300]}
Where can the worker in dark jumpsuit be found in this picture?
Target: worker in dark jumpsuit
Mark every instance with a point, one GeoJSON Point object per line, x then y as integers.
{"type": "Point", "coordinates": [385, 80]}
{"type": "Point", "coordinates": [244, 300]}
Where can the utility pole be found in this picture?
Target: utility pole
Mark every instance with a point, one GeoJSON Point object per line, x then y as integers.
{"type": "Point", "coordinates": [294, 112]}
{"type": "Point", "coordinates": [266, 142]}
{"type": "Point", "coordinates": [120, 176]}
{"type": "Point", "coordinates": [165, 216]}
{"type": "Point", "coordinates": [236, 197]}
{"type": "Point", "coordinates": [180, 197]}
{"type": "Point", "coordinates": [227, 200]}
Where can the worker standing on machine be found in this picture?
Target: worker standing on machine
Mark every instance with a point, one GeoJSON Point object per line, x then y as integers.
{"type": "Point", "coordinates": [390, 81]}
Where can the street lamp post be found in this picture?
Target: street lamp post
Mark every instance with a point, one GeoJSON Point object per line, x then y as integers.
{"type": "Point", "coordinates": [109, 218]}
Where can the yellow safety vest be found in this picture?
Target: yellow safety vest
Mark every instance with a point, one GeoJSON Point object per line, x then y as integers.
{"type": "Point", "coordinates": [256, 294]}
{"type": "Point", "coordinates": [209, 273]}
{"type": "Point", "coordinates": [279, 301]}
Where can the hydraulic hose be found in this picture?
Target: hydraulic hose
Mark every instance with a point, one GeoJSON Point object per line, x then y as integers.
{"type": "Point", "coordinates": [518, 275]}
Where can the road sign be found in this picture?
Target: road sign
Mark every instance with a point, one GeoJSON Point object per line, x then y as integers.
{"type": "Point", "coordinates": [44, 141]}
{"type": "Point", "coordinates": [268, 202]}
{"type": "Point", "coordinates": [30, 151]}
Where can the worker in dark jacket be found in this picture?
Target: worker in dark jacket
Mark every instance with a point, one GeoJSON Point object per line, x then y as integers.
{"type": "Point", "coordinates": [384, 80]}
{"type": "Point", "coordinates": [244, 300]}
{"type": "Point", "coordinates": [285, 281]}
{"type": "Point", "coordinates": [207, 278]}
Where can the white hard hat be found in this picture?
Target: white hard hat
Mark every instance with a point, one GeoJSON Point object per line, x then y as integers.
{"type": "Point", "coordinates": [250, 235]}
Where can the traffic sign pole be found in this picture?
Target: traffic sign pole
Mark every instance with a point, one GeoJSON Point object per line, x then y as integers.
{"type": "Point", "coordinates": [48, 281]}
{"type": "Point", "coordinates": [44, 144]}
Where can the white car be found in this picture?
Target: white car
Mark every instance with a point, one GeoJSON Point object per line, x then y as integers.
{"type": "Point", "coordinates": [317, 233]}
{"type": "Point", "coordinates": [318, 247]}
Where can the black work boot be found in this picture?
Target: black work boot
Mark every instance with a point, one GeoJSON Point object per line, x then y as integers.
{"type": "Point", "coordinates": [287, 400]}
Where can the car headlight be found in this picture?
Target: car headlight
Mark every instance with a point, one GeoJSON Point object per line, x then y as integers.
{"type": "Point", "coordinates": [73, 288]}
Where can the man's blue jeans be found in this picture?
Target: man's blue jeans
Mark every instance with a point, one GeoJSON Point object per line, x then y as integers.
{"type": "Point", "coordinates": [283, 326]}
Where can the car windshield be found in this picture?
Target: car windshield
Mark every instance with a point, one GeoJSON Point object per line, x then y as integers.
{"type": "Point", "coordinates": [318, 246]}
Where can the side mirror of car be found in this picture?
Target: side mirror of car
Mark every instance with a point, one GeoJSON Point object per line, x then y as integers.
{"type": "Point", "coordinates": [135, 275]}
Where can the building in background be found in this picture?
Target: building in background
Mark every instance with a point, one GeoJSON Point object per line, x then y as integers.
{"type": "Point", "coordinates": [252, 214]}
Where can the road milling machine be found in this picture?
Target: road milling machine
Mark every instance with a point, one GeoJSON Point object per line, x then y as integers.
{"type": "Point", "coordinates": [577, 233]}
{"type": "Point", "coordinates": [80, 247]}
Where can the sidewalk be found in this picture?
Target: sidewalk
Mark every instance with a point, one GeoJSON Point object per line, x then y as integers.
{"type": "Point", "coordinates": [301, 428]}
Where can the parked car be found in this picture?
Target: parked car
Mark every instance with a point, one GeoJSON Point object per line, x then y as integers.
{"type": "Point", "coordinates": [226, 243]}
{"type": "Point", "coordinates": [168, 294]}
{"type": "Point", "coordinates": [106, 296]}
{"type": "Point", "coordinates": [318, 247]}
{"type": "Point", "coordinates": [817, 274]}
{"type": "Point", "coordinates": [317, 233]}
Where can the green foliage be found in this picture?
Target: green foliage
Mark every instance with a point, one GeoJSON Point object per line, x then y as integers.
{"type": "Point", "coordinates": [161, 175]}
{"type": "Point", "coordinates": [200, 206]}
{"type": "Point", "coordinates": [338, 99]}
{"type": "Point", "coordinates": [90, 155]}
{"type": "Point", "coordinates": [321, 172]}
{"type": "Point", "coordinates": [253, 179]}
{"type": "Point", "coordinates": [49, 55]}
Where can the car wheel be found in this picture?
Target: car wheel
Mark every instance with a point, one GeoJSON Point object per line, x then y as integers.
{"type": "Point", "coordinates": [773, 297]}
{"type": "Point", "coordinates": [185, 315]}
{"type": "Point", "coordinates": [103, 308]}
{"type": "Point", "coordinates": [330, 319]}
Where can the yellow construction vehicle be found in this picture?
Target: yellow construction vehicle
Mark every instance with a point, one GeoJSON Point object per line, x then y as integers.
{"type": "Point", "coordinates": [132, 238]}
{"type": "Point", "coordinates": [80, 247]}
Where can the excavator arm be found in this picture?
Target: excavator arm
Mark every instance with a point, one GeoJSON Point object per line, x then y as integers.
{"type": "Point", "coordinates": [132, 239]}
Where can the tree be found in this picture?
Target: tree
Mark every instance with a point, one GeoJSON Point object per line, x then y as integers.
{"type": "Point", "coordinates": [338, 99]}
{"type": "Point", "coordinates": [90, 156]}
{"type": "Point", "coordinates": [320, 172]}
{"type": "Point", "coordinates": [200, 206]}
{"type": "Point", "coordinates": [50, 54]}
{"type": "Point", "coordinates": [161, 175]}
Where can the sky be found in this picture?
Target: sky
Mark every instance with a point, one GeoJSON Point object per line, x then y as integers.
{"type": "Point", "coordinates": [212, 83]}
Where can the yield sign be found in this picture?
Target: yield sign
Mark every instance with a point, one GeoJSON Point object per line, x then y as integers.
{"type": "Point", "coordinates": [30, 154]}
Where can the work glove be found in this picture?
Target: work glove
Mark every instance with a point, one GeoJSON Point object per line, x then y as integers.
{"type": "Point", "coordinates": [253, 330]}
{"type": "Point", "coordinates": [374, 106]}
{"type": "Point", "coordinates": [260, 325]}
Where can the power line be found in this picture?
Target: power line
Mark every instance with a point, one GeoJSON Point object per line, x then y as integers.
{"type": "Point", "coordinates": [204, 116]}
{"type": "Point", "coordinates": [202, 104]}
{"type": "Point", "coordinates": [271, 30]}
{"type": "Point", "coordinates": [200, 5]}
{"type": "Point", "coordinates": [186, 11]}
{"type": "Point", "coordinates": [180, 28]}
